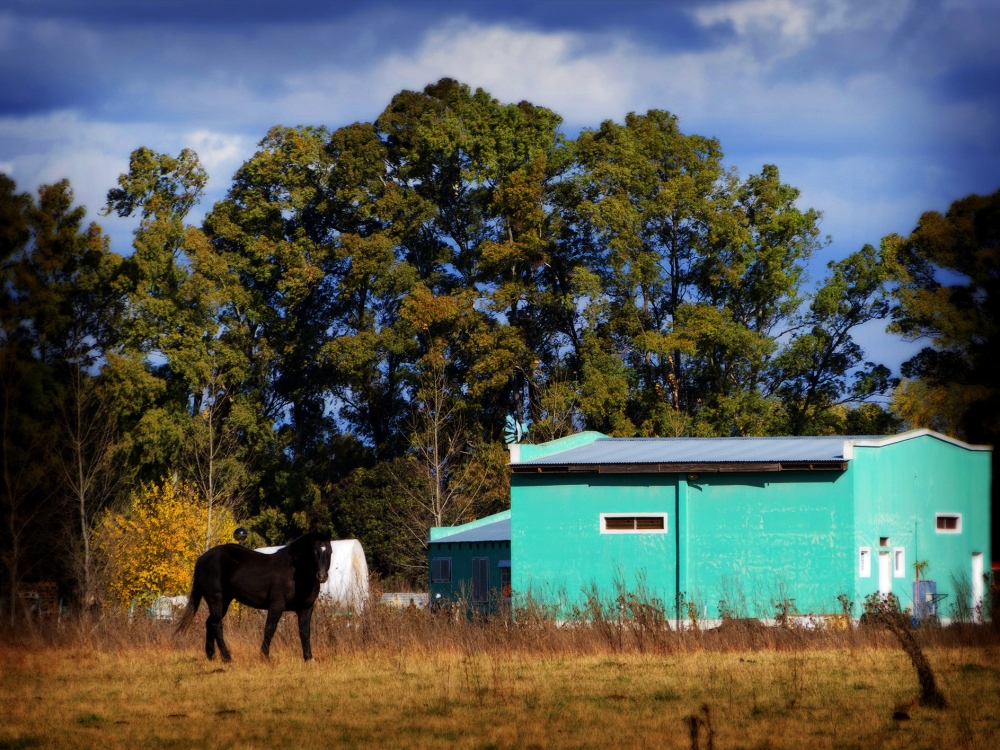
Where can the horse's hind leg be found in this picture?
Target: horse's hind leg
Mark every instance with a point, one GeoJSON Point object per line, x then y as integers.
{"type": "Point", "coordinates": [226, 656]}
{"type": "Point", "coordinates": [213, 629]}
{"type": "Point", "coordinates": [273, 615]}
{"type": "Point", "coordinates": [210, 638]}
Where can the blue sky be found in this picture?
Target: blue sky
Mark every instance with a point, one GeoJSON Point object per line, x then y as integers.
{"type": "Point", "coordinates": [877, 111]}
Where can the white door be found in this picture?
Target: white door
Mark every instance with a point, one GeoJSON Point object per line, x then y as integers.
{"type": "Point", "coordinates": [884, 574]}
{"type": "Point", "coordinates": [977, 584]}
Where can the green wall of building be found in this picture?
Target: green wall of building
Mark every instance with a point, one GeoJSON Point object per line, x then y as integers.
{"type": "Point", "coordinates": [556, 545]}
{"type": "Point", "coordinates": [755, 538]}
{"type": "Point", "coordinates": [461, 554]}
{"type": "Point", "coordinates": [899, 488]}
{"type": "Point", "coordinates": [492, 543]}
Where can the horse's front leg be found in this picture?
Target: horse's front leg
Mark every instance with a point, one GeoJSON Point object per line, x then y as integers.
{"type": "Point", "coordinates": [273, 615]}
{"type": "Point", "coordinates": [305, 628]}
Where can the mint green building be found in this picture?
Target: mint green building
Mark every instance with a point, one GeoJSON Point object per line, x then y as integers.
{"type": "Point", "coordinates": [745, 521]}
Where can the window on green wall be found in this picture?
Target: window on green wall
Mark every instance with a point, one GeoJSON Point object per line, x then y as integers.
{"type": "Point", "coordinates": [622, 523]}
{"type": "Point", "coordinates": [948, 523]}
{"type": "Point", "coordinates": [505, 579]}
{"type": "Point", "coordinates": [899, 562]}
{"type": "Point", "coordinates": [865, 562]}
{"type": "Point", "coordinates": [441, 570]}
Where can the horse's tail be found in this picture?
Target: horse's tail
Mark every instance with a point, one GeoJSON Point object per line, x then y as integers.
{"type": "Point", "coordinates": [194, 600]}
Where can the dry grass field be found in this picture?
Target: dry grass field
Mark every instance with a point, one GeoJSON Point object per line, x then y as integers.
{"type": "Point", "coordinates": [408, 680]}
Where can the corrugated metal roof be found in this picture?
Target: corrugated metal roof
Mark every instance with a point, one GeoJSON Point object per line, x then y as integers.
{"type": "Point", "coordinates": [698, 450]}
{"type": "Point", "coordinates": [499, 531]}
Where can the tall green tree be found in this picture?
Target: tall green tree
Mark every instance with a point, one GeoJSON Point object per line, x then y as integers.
{"type": "Point", "coordinates": [649, 193]}
{"type": "Point", "coordinates": [58, 315]}
{"type": "Point", "coordinates": [167, 328]}
{"type": "Point", "coordinates": [948, 273]}
{"type": "Point", "coordinates": [279, 254]}
{"type": "Point", "coordinates": [813, 371]}
{"type": "Point", "coordinates": [173, 369]}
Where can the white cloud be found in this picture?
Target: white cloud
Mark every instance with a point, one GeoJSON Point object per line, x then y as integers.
{"type": "Point", "coordinates": [798, 23]}
{"type": "Point", "coordinates": [792, 19]}
{"type": "Point", "coordinates": [556, 69]}
{"type": "Point", "coordinates": [46, 149]}
{"type": "Point", "coordinates": [220, 153]}
{"type": "Point", "coordinates": [588, 79]}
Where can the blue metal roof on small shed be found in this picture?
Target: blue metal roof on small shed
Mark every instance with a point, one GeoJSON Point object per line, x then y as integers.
{"type": "Point", "coordinates": [699, 450]}
{"type": "Point", "coordinates": [498, 531]}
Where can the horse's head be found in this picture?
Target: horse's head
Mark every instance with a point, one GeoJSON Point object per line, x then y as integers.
{"type": "Point", "coordinates": [323, 551]}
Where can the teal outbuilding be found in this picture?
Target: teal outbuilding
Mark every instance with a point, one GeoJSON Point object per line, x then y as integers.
{"type": "Point", "coordinates": [743, 523]}
{"type": "Point", "coordinates": [471, 562]}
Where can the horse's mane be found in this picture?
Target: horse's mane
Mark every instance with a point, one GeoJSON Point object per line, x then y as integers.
{"type": "Point", "coordinates": [306, 541]}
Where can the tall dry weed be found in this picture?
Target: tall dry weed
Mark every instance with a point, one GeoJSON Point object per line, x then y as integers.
{"type": "Point", "coordinates": [618, 622]}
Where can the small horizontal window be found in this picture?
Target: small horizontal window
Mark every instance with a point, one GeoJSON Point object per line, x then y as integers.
{"type": "Point", "coordinates": [650, 523]}
{"type": "Point", "coordinates": [948, 523]}
{"type": "Point", "coordinates": [441, 570]}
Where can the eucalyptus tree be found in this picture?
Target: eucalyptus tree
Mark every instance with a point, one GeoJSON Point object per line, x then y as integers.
{"type": "Point", "coordinates": [166, 330]}
{"type": "Point", "coordinates": [815, 370]}
{"type": "Point", "coordinates": [272, 249]}
{"type": "Point", "coordinates": [749, 282]}
{"type": "Point", "coordinates": [650, 191]}
{"type": "Point", "coordinates": [699, 271]}
{"type": "Point", "coordinates": [172, 369]}
{"type": "Point", "coordinates": [476, 181]}
{"type": "Point", "coordinates": [948, 293]}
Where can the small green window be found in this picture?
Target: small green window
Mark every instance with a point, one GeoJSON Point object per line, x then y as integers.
{"type": "Point", "coordinates": [441, 570]}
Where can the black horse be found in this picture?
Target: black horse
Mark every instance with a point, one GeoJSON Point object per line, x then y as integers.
{"type": "Point", "coordinates": [287, 581]}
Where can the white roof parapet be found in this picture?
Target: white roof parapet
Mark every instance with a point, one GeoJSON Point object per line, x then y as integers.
{"type": "Point", "coordinates": [852, 443]}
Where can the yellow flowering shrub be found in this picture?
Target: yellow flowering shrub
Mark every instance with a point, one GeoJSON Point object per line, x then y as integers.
{"type": "Point", "coordinates": [150, 547]}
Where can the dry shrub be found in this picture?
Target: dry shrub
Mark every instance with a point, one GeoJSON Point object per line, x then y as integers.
{"type": "Point", "coordinates": [885, 611]}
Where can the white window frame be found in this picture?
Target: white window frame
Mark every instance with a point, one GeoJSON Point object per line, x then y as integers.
{"type": "Point", "coordinates": [439, 579]}
{"type": "Point", "coordinates": [603, 526]}
{"type": "Point", "coordinates": [948, 531]}
{"type": "Point", "coordinates": [899, 562]}
{"type": "Point", "coordinates": [865, 562]}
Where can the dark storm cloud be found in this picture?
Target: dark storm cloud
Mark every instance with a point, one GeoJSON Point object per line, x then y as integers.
{"type": "Point", "coordinates": [116, 58]}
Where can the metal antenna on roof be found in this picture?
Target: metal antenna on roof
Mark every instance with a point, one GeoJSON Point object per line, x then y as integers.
{"type": "Point", "coordinates": [514, 431]}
